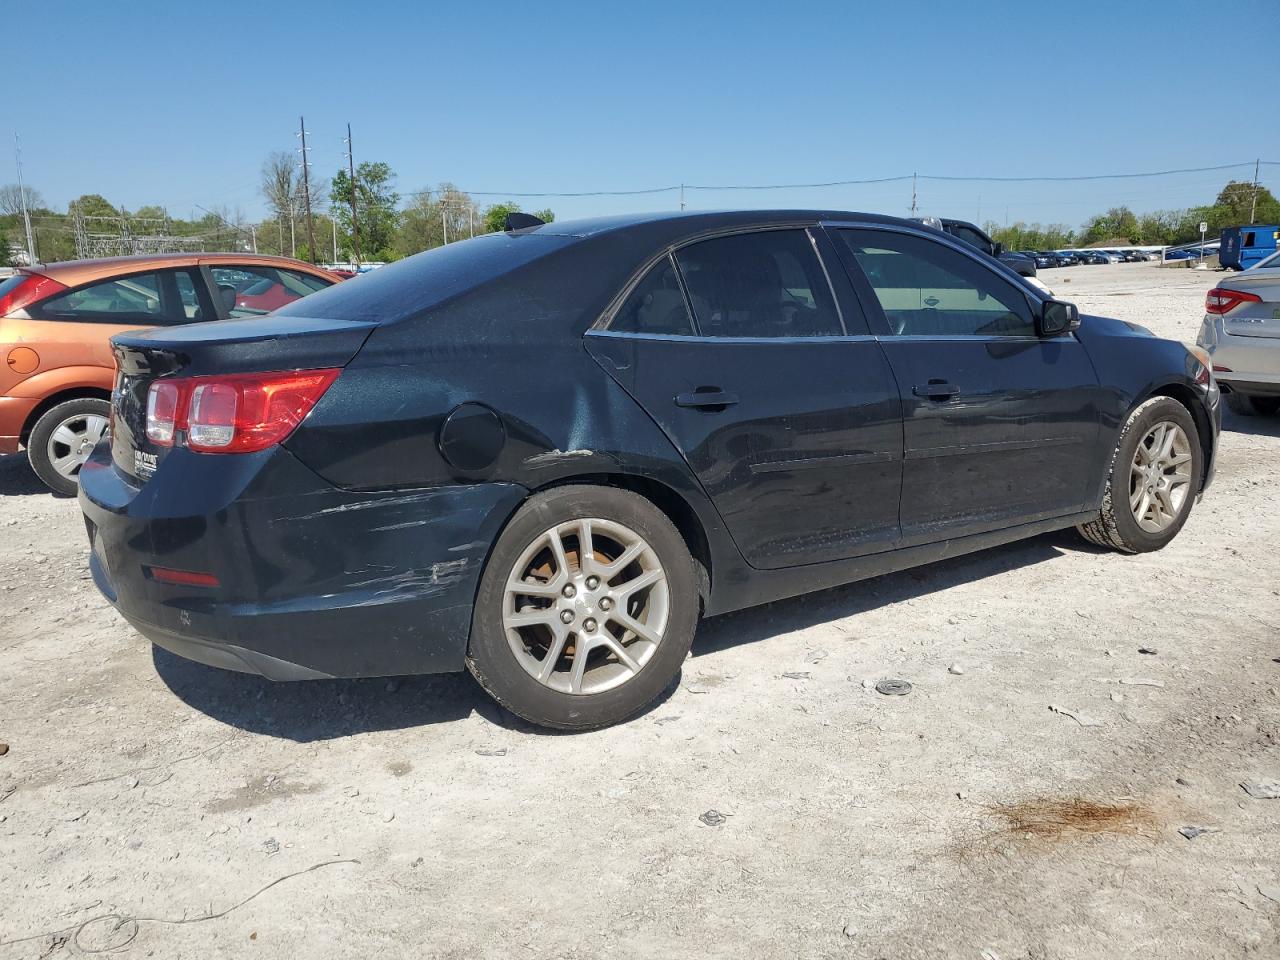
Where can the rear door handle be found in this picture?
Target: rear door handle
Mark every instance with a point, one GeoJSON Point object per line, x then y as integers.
{"type": "Point", "coordinates": [711, 399]}
{"type": "Point", "coordinates": [936, 390]}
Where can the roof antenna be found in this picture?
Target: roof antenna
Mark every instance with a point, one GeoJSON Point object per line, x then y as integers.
{"type": "Point", "coordinates": [522, 221]}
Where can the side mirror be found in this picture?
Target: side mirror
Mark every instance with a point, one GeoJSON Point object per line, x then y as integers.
{"type": "Point", "coordinates": [997, 248]}
{"type": "Point", "coordinates": [1056, 318]}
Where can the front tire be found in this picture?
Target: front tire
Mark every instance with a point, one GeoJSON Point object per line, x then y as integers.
{"type": "Point", "coordinates": [62, 439]}
{"type": "Point", "coordinates": [1152, 480]}
{"type": "Point", "coordinates": [586, 608]}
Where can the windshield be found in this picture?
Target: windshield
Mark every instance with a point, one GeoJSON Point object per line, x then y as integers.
{"type": "Point", "coordinates": [1271, 261]}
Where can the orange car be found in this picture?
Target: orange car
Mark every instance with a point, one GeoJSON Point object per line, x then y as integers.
{"type": "Point", "coordinates": [56, 321]}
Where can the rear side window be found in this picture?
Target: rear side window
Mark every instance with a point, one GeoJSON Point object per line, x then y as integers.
{"type": "Point", "coordinates": [765, 284]}
{"type": "Point", "coordinates": [927, 289]}
{"type": "Point", "coordinates": [656, 305]}
{"type": "Point", "coordinates": [249, 291]}
{"type": "Point", "coordinates": [149, 298]}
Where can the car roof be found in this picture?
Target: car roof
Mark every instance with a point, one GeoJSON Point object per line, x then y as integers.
{"type": "Point", "coordinates": [686, 222]}
{"type": "Point", "coordinates": [72, 272]}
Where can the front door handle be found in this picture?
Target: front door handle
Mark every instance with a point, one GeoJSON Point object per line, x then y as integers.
{"type": "Point", "coordinates": [936, 390]}
{"type": "Point", "coordinates": [711, 399]}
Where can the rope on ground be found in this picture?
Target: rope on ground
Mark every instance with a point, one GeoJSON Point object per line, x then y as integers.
{"type": "Point", "coordinates": [129, 924]}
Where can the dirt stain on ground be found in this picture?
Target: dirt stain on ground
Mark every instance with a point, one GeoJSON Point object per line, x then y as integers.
{"type": "Point", "coordinates": [1056, 820]}
{"type": "Point", "coordinates": [257, 792]}
{"type": "Point", "coordinates": [398, 768]}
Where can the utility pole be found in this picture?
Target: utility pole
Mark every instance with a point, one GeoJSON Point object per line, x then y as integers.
{"type": "Point", "coordinates": [22, 195]}
{"type": "Point", "coordinates": [253, 232]}
{"type": "Point", "coordinates": [334, 220]}
{"type": "Point", "coordinates": [913, 194]}
{"type": "Point", "coordinates": [471, 215]}
{"type": "Point", "coordinates": [1253, 209]}
{"type": "Point", "coordinates": [306, 190]}
{"type": "Point", "coordinates": [682, 196]}
{"type": "Point", "coordinates": [444, 222]}
{"type": "Point", "coordinates": [293, 232]}
{"type": "Point", "coordinates": [355, 222]}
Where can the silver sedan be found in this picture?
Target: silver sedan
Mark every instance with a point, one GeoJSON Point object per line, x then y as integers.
{"type": "Point", "coordinates": [1241, 333]}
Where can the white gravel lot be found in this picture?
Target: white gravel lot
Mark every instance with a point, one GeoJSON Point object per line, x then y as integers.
{"type": "Point", "coordinates": [962, 818]}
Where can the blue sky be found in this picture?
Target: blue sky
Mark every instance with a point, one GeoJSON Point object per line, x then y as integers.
{"type": "Point", "coordinates": [178, 103]}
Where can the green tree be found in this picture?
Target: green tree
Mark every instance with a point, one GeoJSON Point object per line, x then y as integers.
{"type": "Point", "coordinates": [495, 218]}
{"type": "Point", "coordinates": [92, 205]}
{"type": "Point", "coordinates": [375, 203]}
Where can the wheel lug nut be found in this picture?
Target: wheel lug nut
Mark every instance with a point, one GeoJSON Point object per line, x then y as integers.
{"type": "Point", "coordinates": [593, 582]}
{"type": "Point", "coordinates": [566, 616]}
{"type": "Point", "coordinates": [589, 624]}
{"type": "Point", "coordinates": [606, 603]}
{"type": "Point", "coordinates": [568, 590]}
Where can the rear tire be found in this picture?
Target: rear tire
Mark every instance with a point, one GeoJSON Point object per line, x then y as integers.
{"type": "Point", "coordinates": [585, 647]}
{"type": "Point", "coordinates": [61, 440]}
{"type": "Point", "coordinates": [1249, 406]}
{"type": "Point", "coordinates": [1149, 495]}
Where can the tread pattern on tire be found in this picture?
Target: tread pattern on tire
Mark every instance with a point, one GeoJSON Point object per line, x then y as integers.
{"type": "Point", "coordinates": [1103, 531]}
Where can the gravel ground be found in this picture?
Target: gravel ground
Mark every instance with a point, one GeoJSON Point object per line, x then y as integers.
{"type": "Point", "coordinates": [965, 820]}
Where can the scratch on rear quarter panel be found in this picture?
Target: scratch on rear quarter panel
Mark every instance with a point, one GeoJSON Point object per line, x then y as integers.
{"type": "Point", "coordinates": [556, 456]}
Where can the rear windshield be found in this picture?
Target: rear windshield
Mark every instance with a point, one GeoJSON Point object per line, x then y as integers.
{"type": "Point", "coordinates": [405, 288]}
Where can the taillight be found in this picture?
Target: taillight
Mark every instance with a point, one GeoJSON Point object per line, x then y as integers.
{"type": "Point", "coordinates": [182, 578]}
{"type": "Point", "coordinates": [28, 290]}
{"type": "Point", "coordinates": [1221, 300]}
{"type": "Point", "coordinates": [163, 400]}
{"type": "Point", "coordinates": [236, 413]}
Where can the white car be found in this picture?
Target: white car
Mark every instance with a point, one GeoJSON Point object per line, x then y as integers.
{"type": "Point", "coordinates": [1241, 333]}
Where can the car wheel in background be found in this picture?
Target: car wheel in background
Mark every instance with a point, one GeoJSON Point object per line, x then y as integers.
{"type": "Point", "coordinates": [586, 608]}
{"type": "Point", "coordinates": [62, 440]}
{"type": "Point", "coordinates": [1152, 480]}
{"type": "Point", "coordinates": [1249, 406]}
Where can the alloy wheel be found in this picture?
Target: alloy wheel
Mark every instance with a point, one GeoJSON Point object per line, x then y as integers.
{"type": "Point", "coordinates": [586, 606]}
{"type": "Point", "coordinates": [1160, 476]}
{"type": "Point", "coordinates": [73, 440]}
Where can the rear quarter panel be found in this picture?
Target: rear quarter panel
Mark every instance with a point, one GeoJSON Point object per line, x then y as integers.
{"type": "Point", "coordinates": [69, 355]}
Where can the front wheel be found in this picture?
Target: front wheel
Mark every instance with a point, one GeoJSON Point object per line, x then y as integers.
{"type": "Point", "coordinates": [1152, 481]}
{"type": "Point", "coordinates": [586, 608]}
{"type": "Point", "coordinates": [62, 439]}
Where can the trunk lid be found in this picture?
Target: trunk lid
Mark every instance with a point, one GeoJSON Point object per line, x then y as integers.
{"type": "Point", "coordinates": [1255, 319]}
{"type": "Point", "coordinates": [201, 349]}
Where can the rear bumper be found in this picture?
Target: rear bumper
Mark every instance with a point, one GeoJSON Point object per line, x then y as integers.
{"type": "Point", "coordinates": [1252, 364]}
{"type": "Point", "coordinates": [13, 418]}
{"type": "Point", "coordinates": [314, 581]}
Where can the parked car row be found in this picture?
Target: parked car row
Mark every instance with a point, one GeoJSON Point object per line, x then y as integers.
{"type": "Point", "coordinates": [1090, 255]}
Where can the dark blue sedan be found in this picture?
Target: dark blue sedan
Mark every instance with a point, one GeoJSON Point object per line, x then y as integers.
{"type": "Point", "coordinates": [543, 454]}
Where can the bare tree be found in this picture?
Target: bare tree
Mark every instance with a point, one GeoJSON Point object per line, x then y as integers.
{"type": "Point", "coordinates": [11, 199]}
{"type": "Point", "coordinates": [280, 189]}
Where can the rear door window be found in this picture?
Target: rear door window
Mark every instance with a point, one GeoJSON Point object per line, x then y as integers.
{"type": "Point", "coordinates": [763, 284]}
{"type": "Point", "coordinates": [154, 298]}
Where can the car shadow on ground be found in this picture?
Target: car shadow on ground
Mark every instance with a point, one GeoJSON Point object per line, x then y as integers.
{"type": "Point", "coordinates": [1259, 426]}
{"type": "Point", "coordinates": [329, 709]}
{"type": "Point", "coordinates": [17, 479]}
{"type": "Point", "coordinates": [848, 600]}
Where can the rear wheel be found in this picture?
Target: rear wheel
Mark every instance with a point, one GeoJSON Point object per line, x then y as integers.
{"type": "Point", "coordinates": [1249, 406]}
{"type": "Point", "coordinates": [1152, 481]}
{"type": "Point", "coordinates": [62, 440]}
{"type": "Point", "coordinates": [586, 608]}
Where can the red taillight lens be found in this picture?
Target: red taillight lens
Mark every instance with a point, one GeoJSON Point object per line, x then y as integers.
{"type": "Point", "coordinates": [23, 289]}
{"type": "Point", "coordinates": [236, 413]}
{"type": "Point", "coordinates": [163, 400]}
{"type": "Point", "coordinates": [1220, 300]}
{"type": "Point", "coordinates": [183, 578]}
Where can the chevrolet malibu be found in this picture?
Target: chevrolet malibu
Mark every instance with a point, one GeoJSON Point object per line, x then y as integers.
{"type": "Point", "coordinates": [543, 454]}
